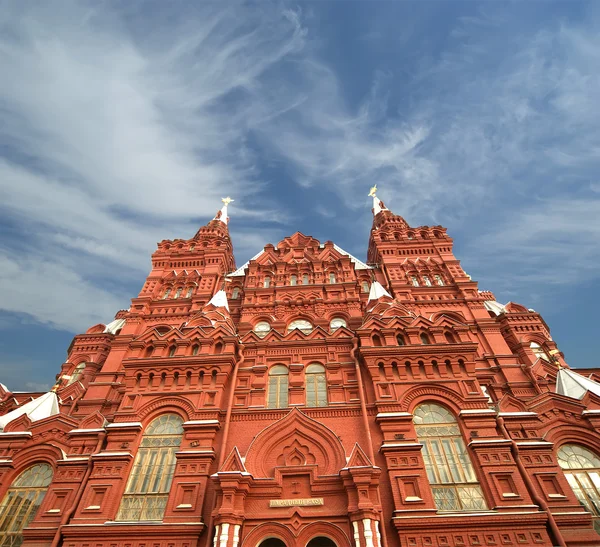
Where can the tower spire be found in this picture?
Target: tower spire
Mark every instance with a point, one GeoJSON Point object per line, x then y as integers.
{"type": "Point", "coordinates": [378, 205]}
{"type": "Point", "coordinates": [222, 213]}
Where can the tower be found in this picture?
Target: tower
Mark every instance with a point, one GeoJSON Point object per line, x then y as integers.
{"type": "Point", "coordinates": [307, 398]}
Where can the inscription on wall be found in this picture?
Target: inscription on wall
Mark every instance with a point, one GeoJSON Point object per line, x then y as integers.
{"type": "Point", "coordinates": [300, 502]}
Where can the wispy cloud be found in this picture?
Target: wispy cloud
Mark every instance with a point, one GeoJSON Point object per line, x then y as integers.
{"type": "Point", "coordinates": [117, 131]}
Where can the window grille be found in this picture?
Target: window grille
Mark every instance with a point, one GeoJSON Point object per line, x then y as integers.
{"type": "Point", "coordinates": [77, 373]}
{"type": "Point", "coordinates": [293, 280]}
{"type": "Point", "coordinates": [316, 385]}
{"type": "Point", "coordinates": [582, 470]}
{"type": "Point", "coordinates": [449, 469]}
{"type": "Point", "coordinates": [278, 387]}
{"type": "Point", "coordinates": [21, 502]}
{"type": "Point", "coordinates": [148, 486]}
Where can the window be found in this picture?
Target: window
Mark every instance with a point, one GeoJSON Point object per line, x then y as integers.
{"type": "Point", "coordinates": [331, 277]}
{"type": "Point", "coordinates": [267, 282]}
{"type": "Point", "coordinates": [195, 349]}
{"type": "Point", "coordinates": [21, 502]}
{"type": "Point", "coordinates": [539, 352]}
{"type": "Point", "coordinates": [401, 340]}
{"type": "Point", "coordinates": [336, 323]}
{"type": "Point", "coordinates": [305, 279]}
{"type": "Point", "coordinates": [167, 293]}
{"type": "Point", "coordinates": [449, 470]}
{"type": "Point", "coordinates": [189, 293]}
{"type": "Point", "coordinates": [77, 373]}
{"type": "Point", "coordinates": [439, 280]}
{"type": "Point", "coordinates": [424, 339]}
{"type": "Point", "coordinates": [148, 486]}
{"type": "Point", "coordinates": [316, 385]}
{"type": "Point", "coordinates": [427, 280]}
{"type": "Point", "coordinates": [235, 294]}
{"type": "Point", "coordinates": [293, 280]}
{"type": "Point", "coordinates": [582, 470]}
{"type": "Point", "coordinates": [262, 328]}
{"type": "Point", "coordinates": [172, 351]}
{"type": "Point", "coordinates": [278, 387]}
{"type": "Point", "coordinates": [178, 293]}
{"type": "Point", "coordinates": [449, 338]}
{"type": "Point", "coordinates": [302, 324]}
{"type": "Point", "coordinates": [365, 286]}
{"type": "Point", "coordinates": [414, 281]}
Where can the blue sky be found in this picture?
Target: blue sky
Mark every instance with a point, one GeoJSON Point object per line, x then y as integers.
{"type": "Point", "coordinates": [124, 123]}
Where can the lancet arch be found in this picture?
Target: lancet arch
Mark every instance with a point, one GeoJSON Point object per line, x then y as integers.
{"type": "Point", "coordinates": [296, 439]}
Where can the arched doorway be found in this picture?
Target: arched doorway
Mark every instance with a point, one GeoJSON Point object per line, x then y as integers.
{"type": "Point", "coordinates": [272, 542]}
{"type": "Point", "coordinates": [321, 541]}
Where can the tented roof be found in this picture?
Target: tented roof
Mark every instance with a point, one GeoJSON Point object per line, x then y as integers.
{"type": "Point", "coordinates": [42, 407]}
{"type": "Point", "coordinates": [377, 291]}
{"type": "Point", "coordinates": [574, 385]}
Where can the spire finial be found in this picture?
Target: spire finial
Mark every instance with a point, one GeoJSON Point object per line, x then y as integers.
{"type": "Point", "coordinates": [222, 213]}
{"type": "Point", "coordinates": [378, 205]}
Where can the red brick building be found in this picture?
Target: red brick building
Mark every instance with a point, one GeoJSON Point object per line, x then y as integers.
{"type": "Point", "coordinates": [307, 398]}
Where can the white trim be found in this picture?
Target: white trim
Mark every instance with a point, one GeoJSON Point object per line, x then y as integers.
{"type": "Point", "coordinates": [125, 424]}
{"type": "Point", "coordinates": [109, 454]}
{"type": "Point", "coordinates": [478, 411]}
{"type": "Point", "coordinates": [534, 443]}
{"type": "Point", "coordinates": [96, 430]}
{"type": "Point", "coordinates": [590, 412]}
{"type": "Point", "coordinates": [393, 415]}
{"type": "Point", "coordinates": [396, 445]}
{"type": "Point", "coordinates": [201, 422]}
{"type": "Point", "coordinates": [28, 433]}
{"type": "Point", "coordinates": [503, 414]}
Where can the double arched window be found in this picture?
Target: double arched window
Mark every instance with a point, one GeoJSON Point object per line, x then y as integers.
{"type": "Point", "coordinates": [278, 387]}
{"type": "Point", "coordinates": [148, 486]}
{"type": "Point", "coordinates": [582, 469]}
{"type": "Point", "coordinates": [21, 502]}
{"type": "Point", "coordinates": [449, 470]}
{"type": "Point", "coordinates": [301, 324]}
{"type": "Point", "coordinates": [538, 351]}
{"type": "Point", "coordinates": [316, 385]}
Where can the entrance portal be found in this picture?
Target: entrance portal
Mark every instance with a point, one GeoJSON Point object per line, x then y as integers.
{"type": "Point", "coordinates": [321, 541]}
{"type": "Point", "coordinates": [272, 542]}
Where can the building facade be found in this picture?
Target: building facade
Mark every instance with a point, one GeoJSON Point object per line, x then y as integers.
{"type": "Point", "coordinates": [307, 398]}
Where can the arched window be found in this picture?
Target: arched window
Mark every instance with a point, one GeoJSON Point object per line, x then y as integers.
{"type": "Point", "coordinates": [331, 277]}
{"type": "Point", "coordinates": [427, 281]}
{"type": "Point", "coordinates": [449, 470]}
{"type": "Point", "coordinates": [261, 329]}
{"type": "Point", "coordinates": [235, 294]}
{"type": "Point", "coordinates": [365, 286]}
{"type": "Point", "coordinates": [178, 293]}
{"type": "Point", "coordinates": [77, 373]}
{"type": "Point", "coordinates": [336, 323]}
{"type": "Point", "coordinates": [424, 339]}
{"type": "Point", "coordinates": [189, 293]}
{"type": "Point", "coordinates": [195, 349]}
{"type": "Point", "coordinates": [272, 542]}
{"type": "Point", "coordinates": [401, 340]}
{"type": "Point", "coordinates": [316, 385]}
{"type": "Point", "coordinates": [167, 293]}
{"type": "Point", "coordinates": [439, 280]}
{"type": "Point", "coordinates": [301, 324]}
{"type": "Point", "coordinates": [278, 387]}
{"type": "Point", "coordinates": [376, 340]}
{"type": "Point", "coordinates": [450, 337]}
{"type": "Point", "coordinates": [149, 351]}
{"type": "Point", "coordinates": [21, 502]}
{"type": "Point", "coordinates": [150, 480]}
{"type": "Point", "coordinates": [293, 280]}
{"type": "Point", "coordinates": [582, 469]}
{"type": "Point", "coordinates": [538, 351]}
{"type": "Point", "coordinates": [305, 279]}
{"type": "Point", "coordinates": [172, 350]}
{"type": "Point", "coordinates": [267, 282]}
{"type": "Point", "coordinates": [414, 281]}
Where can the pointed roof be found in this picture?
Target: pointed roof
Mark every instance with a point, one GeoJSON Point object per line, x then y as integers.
{"type": "Point", "coordinates": [222, 213]}
{"type": "Point", "coordinates": [114, 326]}
{"type": "Point", "coordinates": [574, 385]}
{"type": "Point", "coordinates": [377, 291]}
{"type": "Point", "coordinates": [219, 300]}
{"type": "Point", "coordinates": [378, 205]}
{"type": "Point", "coordinates": [42, 407]}
{"type": "Point", "coordinates": [495, 307]}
